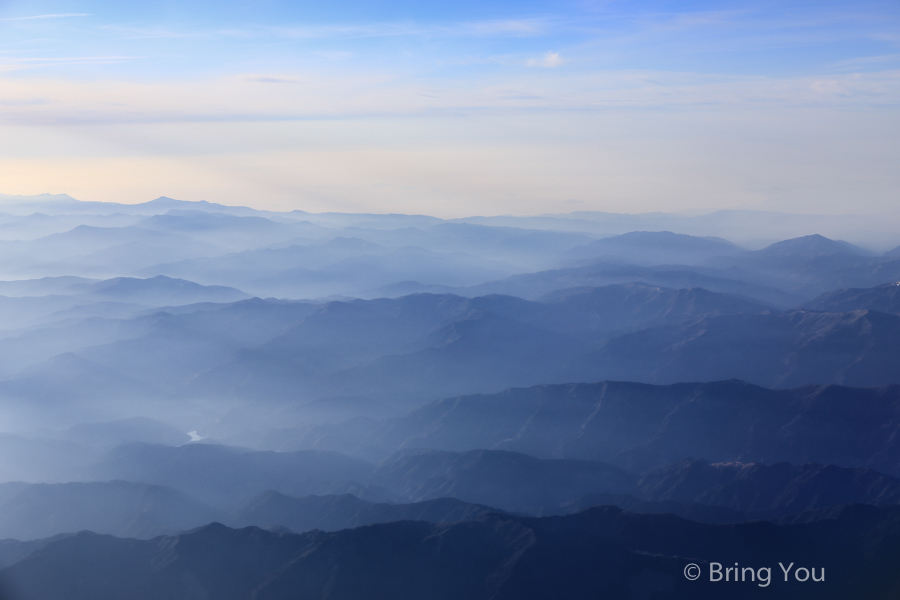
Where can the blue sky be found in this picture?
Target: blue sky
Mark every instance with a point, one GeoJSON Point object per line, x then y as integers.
{"type": "Point", "coordinates": [455, 108]}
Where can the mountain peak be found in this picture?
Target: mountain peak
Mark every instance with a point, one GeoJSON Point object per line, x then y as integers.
{"type": "Point", "coordinates": [811, 246]}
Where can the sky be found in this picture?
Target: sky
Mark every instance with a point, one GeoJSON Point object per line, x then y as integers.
{"type": "Point", "coordinates": [456, 109]}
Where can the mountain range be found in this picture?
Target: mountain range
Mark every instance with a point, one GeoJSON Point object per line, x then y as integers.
{"type": "Point", "coordinates": [201, 401]}
{"type": "Point", "coordinates": [599, 552]}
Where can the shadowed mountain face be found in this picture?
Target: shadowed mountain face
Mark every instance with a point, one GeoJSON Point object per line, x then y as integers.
{"type": "Point", "coordinates": [776, 489]}
{"type": "Point", "coordinates": [640, 426]}
{"type": "Point", "coordinates": [812, 265]}
{"type": "Point", "coordinates": [332, 513]}
{"type": "Point", "coordinates": [883, 298]}
{"type": "Point", "coordinates": [395, 352]}
{"type": "Point", "coordinates": [406, 350]}
{"type": "Point", "coordinates": [391, 354]}
{"type": "Point", "coordinates": [860, 348]}
{"type": "Point", "coordinates": [507, 480]}
{"type": "Point", "coordinates": [446, 485]}
{"type": "Point", "coordinates": [601, 552]}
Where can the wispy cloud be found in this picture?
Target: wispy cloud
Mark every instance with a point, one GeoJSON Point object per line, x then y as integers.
{"type": "Point", "coordinates": [50, 16]}
{"type": "Point", "coordinates": [549, 60]}
{"type": "Point", "coordinates": [315, 95]}
{"type": "Point", "coordinates": [21, 64]}
{"type": "Point", "coordinates": [351, 31]}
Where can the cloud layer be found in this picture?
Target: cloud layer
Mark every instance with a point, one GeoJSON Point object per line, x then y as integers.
{"type": "Point", "coordinates": [540, 93]}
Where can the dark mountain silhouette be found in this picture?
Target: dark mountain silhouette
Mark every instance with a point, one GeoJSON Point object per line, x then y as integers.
{"type": "Point", "coordinates": [507, 480]}
{"type": "Point", "coordinates": [12, 551]}
{"type": "Point", "coordinates": [118, 508]}
{"type": "Point", "coordinates": [601, 552]}
{"type": "Point", "coordinates": [883, 298]}
{"type": "Point", "coordinates": [332, 513]}
{"type": "Point", "coordinates": [701, 513]}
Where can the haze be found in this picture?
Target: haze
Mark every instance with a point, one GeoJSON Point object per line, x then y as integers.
{"type": "Point", "coordinates": [455, 110]}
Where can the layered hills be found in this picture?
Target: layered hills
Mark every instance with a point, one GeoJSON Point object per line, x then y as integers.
{"type": "Point", "coordinates": [402, 406]}
{"type": "Point", "coordinates": [640, 426]}
{"type": "Point", "coordinates": [600, 552]}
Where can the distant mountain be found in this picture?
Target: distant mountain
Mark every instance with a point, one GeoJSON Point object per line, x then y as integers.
{"type": "Point", "coordinates": [226, 476]}
{"type": "Point", "coordinates": [45, 286]}
{"type": "Point", "coordinates": [65, 300]}
{"type": "Point", "coordinates": [751, 228]}
{"type": "Point", "coordinates": [395, 351]}
{"type": "Point", "coordinates": [602, 552]}
{"type": "Point", "coordinates": [162, 291]}
{"type": "Point", "coordinates": [507, 480]}
{"type": "Point", "coordinates": [169, 347]}
{"type": "Point", "coordinates": [810, 246]}
{"type": "Point", "coordinates": [652, 247]}
{"type": "Point", "coordinates": [63, 384]}
{"type": "Point", "coordinates": [117, 508]}
{"type": "Point", "coordinates": [630, 306]}
{"type": "Point", "coordinates": [332, 513]}
{"type": "Point", "coordinates": [133, 429]}
{"type": "Point", "coordinates": [522, 247]}
{"type": "Point", "coordinates": [639, 426]}
{"type": "Point", "coordinates": [338, 266]}
{"type": "Point", "coordinates": [701, 513]}
{"type": "Point", "coordinates": [860, 348]}
{"type": "Point", "coordinates": [883, 298]}
{"type": "Point", "coordinates": [100, 251]}
{"type": "Point", "coordinates": [893, 253]}
{"type": "Point", "coordinates": [485, 351]}
{"type": "Point", "coordinates": [536, 285]}
{"type": "Point", "coordinates": [425, 346]}
{"type": "Point", "coordinates": [232, 231]}
{"type": "Point", "coordinates": [810, 266]}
